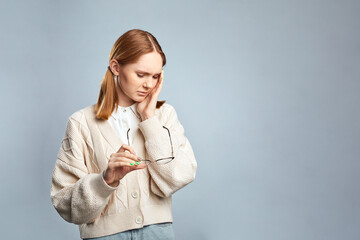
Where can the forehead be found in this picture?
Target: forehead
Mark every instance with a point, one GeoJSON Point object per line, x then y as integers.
{"type": "Point", "coordinates": [149, 62]}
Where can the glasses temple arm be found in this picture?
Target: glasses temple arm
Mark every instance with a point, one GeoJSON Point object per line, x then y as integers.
{"type": "Point", "coordinates": [172, 149]}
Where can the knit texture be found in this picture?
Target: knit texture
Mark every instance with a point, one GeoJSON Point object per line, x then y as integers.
{"type": "Point", "coordinates": [81, 196]}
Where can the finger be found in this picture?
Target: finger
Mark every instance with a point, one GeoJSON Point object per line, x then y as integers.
{"type": "Point", "coordinates": [125, 147]}
{"type": "Point", "coordinates": [117, 164]}
{"type": "Point", "coordinates": [124, 164]}
{"type": "Point", "coordinates": [153, 91]}
{"type": "Point", "coordinates": [141, 166]}
{"type": "Point", "coordinates": [126, 155]}
{"type": "Point", "coordinates": [158, 82]}
{"type": "Point", "coordinates": [123, 159]}
{"type": "Point", "coordinates": [130, 158]}
{"type": "Point", "coordinates": [159, 87]}
{"type": "Point", "coordinates": [161, 80]}
{"type": "Point", "coordinates": [140, 163]}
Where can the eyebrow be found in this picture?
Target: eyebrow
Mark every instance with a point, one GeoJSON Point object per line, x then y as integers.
{"type": "Point", "coordinates": [147, 73]}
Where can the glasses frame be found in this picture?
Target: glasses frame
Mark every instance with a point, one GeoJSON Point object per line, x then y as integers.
{"type": "Point", "coordinates": [157, 161]}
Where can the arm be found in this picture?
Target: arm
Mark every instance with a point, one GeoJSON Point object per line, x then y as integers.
{"type": "Point", "coordinates": [77, 195]}
{"type": "Point", "coordinates": [167, 179]}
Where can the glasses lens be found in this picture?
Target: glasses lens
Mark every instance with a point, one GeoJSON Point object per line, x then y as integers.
{"type": "Point", "coordinates": [164, 161]}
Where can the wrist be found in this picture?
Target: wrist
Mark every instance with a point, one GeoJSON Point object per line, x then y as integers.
{"type": "Point", "coordinates": [144, 117]}
{"type": "Point", "coordinates": [111, 184]}
{"type": "Point", "coordinates": [114, 184]}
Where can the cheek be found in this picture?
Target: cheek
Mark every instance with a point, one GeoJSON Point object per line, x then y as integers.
{"type": "Point", "coordinates": [132, 84]}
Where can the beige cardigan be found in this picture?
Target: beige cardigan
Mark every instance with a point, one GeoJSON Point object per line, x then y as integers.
{"type": "Point", "coordinates": [80, 194]}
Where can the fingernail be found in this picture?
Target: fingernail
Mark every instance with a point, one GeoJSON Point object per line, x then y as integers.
{"type": "Point", "coordinates": [132, 164]}
{"type": "Point", "coordinates": [137, 162]}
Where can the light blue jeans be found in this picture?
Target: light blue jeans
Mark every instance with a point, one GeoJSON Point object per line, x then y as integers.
{"type": "Point", "coordinates": [161, 231]}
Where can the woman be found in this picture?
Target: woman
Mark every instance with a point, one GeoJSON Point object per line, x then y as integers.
{"type": "Point", "coordinates": [122, 159]}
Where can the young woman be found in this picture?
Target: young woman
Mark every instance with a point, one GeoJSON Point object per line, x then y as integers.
{"type": "Point", "coordinates": [122, 159]}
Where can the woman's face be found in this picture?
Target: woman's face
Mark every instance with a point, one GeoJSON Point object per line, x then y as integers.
{"type": "Point", "coordinates": [136, 80]}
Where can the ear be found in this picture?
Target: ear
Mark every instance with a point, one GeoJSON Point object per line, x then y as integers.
{"type": "Point", "coordinates": [114, 66]}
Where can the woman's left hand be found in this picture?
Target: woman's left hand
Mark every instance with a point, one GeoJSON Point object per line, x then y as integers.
{"type": "Point", "coordinates": [146, 108]}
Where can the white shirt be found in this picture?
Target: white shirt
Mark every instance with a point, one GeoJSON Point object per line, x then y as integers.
{"type": "Point", "coordinates": [124, 118]}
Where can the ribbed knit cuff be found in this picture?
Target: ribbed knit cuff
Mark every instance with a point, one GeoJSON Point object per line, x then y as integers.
{"type": "Point", "coordinates": [101, 187]}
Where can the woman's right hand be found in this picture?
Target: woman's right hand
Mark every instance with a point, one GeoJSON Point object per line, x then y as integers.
{"type": "Point", "coordinates": [121, 163]}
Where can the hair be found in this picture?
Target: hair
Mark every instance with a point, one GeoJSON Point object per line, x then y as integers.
{"type": "Point", "coordinates": [127, 49]}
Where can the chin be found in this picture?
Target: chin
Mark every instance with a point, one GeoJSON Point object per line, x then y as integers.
{"type": "Point", "coordinates": [139, 98]}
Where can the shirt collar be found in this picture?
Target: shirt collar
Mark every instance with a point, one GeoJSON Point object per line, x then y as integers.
{"type": "Point", "coordinates": [118, 113]}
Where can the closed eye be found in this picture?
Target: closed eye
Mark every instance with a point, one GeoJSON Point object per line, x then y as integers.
{"type": "Point", "coordinates": [141, 73]}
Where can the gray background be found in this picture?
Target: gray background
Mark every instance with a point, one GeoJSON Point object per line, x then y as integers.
{"type": "Point", "coordinates": [268, 93]}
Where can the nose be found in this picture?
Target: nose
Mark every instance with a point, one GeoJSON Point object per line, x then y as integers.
{"type": "Point", "coordinates": [149, 83]}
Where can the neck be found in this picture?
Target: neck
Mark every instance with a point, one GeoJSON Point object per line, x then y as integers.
{"type": "Point", "coordinates": [126, 103]}
{"type": "Point", "coordinates": [123, 99]}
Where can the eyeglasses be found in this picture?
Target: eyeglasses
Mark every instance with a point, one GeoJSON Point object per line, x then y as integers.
{"type": "Point", "coordinates": [159, 161]}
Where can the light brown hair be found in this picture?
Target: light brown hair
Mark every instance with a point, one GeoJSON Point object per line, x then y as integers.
{"type": "Point", "coordinates": [127, 49]}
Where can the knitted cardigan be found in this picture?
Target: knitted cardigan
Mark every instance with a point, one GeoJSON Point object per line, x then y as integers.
{"type": "Point", "coordinates": [143, 197]}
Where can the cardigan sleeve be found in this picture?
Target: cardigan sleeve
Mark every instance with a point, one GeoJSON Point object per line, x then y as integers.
{"type": "Point", "coordinates": [168, 178]}
{"type": "Point", "coordinates": [77, 195]}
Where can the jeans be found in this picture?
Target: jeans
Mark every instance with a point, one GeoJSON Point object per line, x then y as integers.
{"type": "Point", "coordinates": [161, 231]}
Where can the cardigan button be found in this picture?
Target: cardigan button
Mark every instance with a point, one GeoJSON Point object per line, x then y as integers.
{"type": "Point", "coordinates": [138, 220]}
{"type": "Point", "coordinates": [135, 194]}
